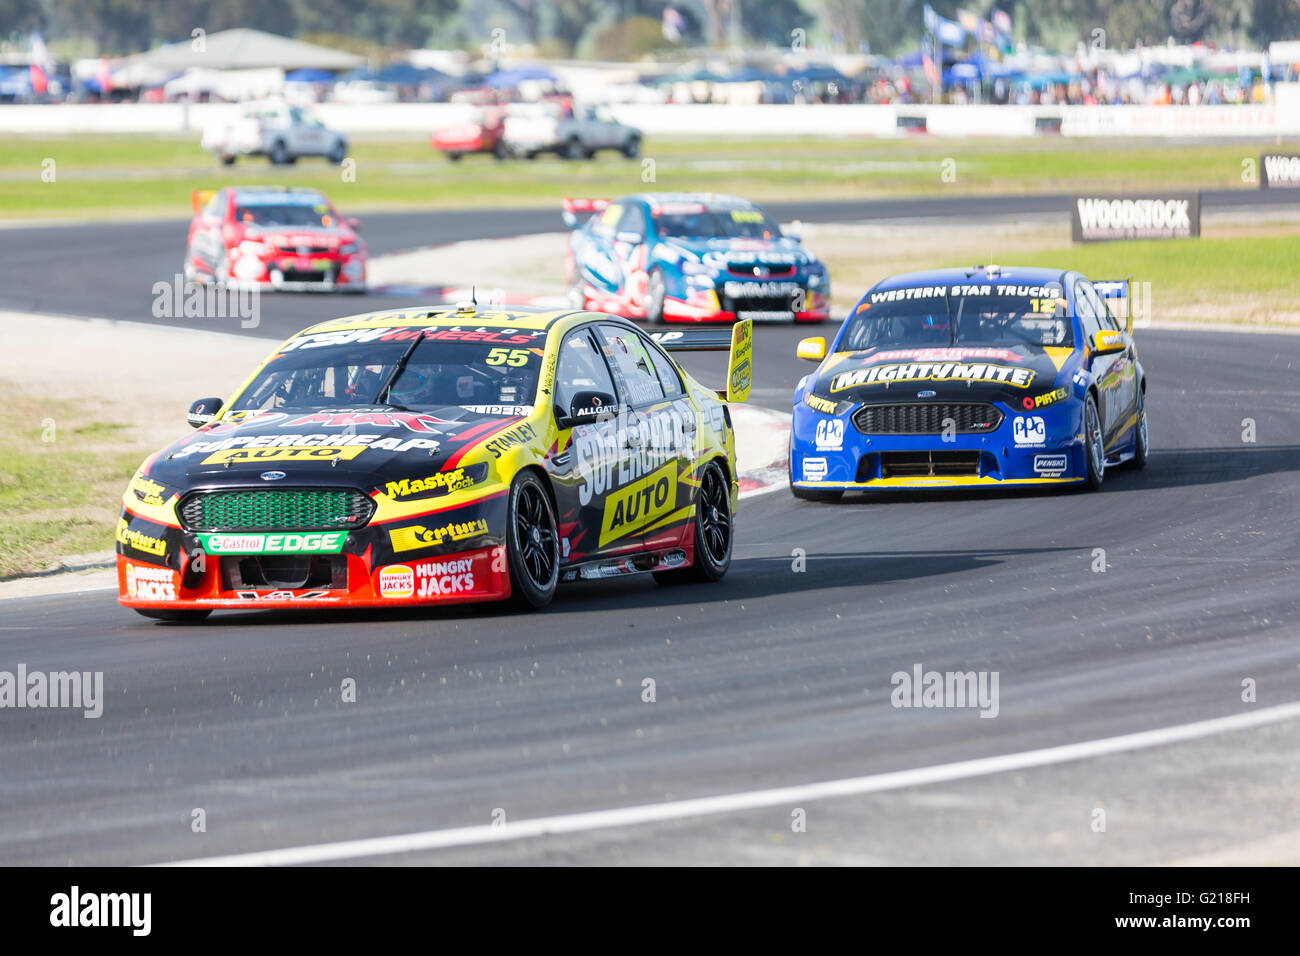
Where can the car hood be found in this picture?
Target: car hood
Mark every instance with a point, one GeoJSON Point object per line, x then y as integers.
{"type": "Point", "coordinates": [985, 374]}
{"type": "Point", "coordinates": [782, 251]}
{"type": "Point", "coordinates": [302, 235]}
{"type": "Point", "coordinates": [361, 448]}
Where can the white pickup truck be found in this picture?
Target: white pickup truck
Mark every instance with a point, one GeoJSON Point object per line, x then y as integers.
{"type": "Point", "coordinates": [278, 131]}
{"type": "Point", "coordinates": [576, 134]}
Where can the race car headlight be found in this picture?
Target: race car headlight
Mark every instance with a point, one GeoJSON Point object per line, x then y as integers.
{"type": "Point", "coordinates": [250, 248]}
{"type": "Point", "coordinates": [697, 269]}
{"type": "Point", "coordinates": [700, 281]}
{"type": "Point", "coordinates": [816, 280]}
{"type": "Point", "coordinates": [348, 249]}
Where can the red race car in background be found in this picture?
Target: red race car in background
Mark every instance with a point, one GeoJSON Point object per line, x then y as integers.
{"type": "Point", "coordinates": [273, 237]}
{"type": "Point", "coordinates": [485, 133]}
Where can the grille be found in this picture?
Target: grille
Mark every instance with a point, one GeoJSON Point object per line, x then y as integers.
{"type": "Point", "coordinates": [306, 275]}
{"type": "Point", "coordinates": [924, 464]}
{"type": "Point", "coordinates": [774, 303]}
{"type": "Point", "coordinates": [747, 269]}
{"type": "Point", "coordinates": [307, 250]}
{"type": "Point", "coordinates": [283, 509]}
{"type": "Point", "coordinates": [926, 418]}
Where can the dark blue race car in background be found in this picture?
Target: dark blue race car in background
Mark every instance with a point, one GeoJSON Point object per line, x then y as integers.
{"type": "Point", "coordinates": [690, 257]}
{"type": "Point", "coordinates": [970, 377]}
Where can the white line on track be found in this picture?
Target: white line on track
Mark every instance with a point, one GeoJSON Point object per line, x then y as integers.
{"type": "Point", "coordinates": [751, 800]}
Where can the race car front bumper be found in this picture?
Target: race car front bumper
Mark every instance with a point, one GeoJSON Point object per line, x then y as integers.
{"type": "Point", "coordinates": [828, 452]}
{"type": "Point", "coordinates": [449, 556]}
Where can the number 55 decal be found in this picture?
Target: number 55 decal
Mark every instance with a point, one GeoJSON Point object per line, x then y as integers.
{"type": "Point", "coordinates": [515, 358]}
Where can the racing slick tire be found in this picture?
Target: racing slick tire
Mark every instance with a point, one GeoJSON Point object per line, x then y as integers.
{"type": "Point", "coordinates": [338, 152]}
{"type": "Point", "coordinates": [1141, 443]}
{"type": "Point", "coordinates": [573, 149]}
{"type": "Point", "coordinates": [655, 293]}
{"type": "Point", "coordinates": [175, 617]}
{"type": "Point", "coordinates": [499, 151]}
{"type": "Point", "coordinates": [532, 543]}
{"type": "Point", "coordinates": [1094, 444]}
{"type": "Point", "coordinates": [713, 529]}
{"type": "Point", "coordinates": [279, 153]}
{"type": "Point", "coordinates": [455, 157]}
{"type": "Point", "coordinates": [632, 148]}
{"type": "Point", "coordinates": [227, 159]}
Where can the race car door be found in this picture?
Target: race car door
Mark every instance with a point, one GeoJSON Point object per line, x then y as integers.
{"type": "Point", "coordinates": [1122, 416]}
{"type": "Point", "coordinates": [1107, 370]}
{"type": "Point", "coordinates": [612, 258]}
{"type": "Point", "coordinates": [646, 505]}
{"type": "Point", "coordinates": [590, 460]}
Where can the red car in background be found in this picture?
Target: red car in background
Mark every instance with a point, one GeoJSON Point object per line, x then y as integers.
{"type": "Point", "coordinates": [483, 134]}
{"type": "Point", "coordinates": [274, 237]}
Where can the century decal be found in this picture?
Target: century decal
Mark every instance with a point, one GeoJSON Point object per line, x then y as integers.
{"type": "Point", "coordinates": [139, 541]}
{"type": "Point", "coordinates": [418, 536]}
{"type": "Point", "coordinates": [627, 512]}
{"type": "Point", "coordinates": [607, 460]}
{"type": "Point", "coordinates": [936, 371]}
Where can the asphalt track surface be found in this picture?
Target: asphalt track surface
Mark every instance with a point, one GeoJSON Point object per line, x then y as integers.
{"type": "Point", "coordinates": [773, 677]}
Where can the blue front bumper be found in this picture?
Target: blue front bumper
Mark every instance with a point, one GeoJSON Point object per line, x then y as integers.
{"type": "Point", "coordinates": [829, 452]}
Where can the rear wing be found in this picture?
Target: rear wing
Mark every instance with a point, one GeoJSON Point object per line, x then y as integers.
{"type": "Point", "coordinates": [738, 341]}
{"type": "Point", "coordinates": [572, 208]}
{"type": "Point", "coordinates": [200, 198]}
{"type": "Point", "coordinates": [1115, 293]}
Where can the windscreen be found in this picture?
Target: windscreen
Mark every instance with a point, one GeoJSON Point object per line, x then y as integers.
{"type": "Point", "coordinates": [943, 315]}
{"type": "Point", "coordinates": [705, 223]}
{"type": "Point", "coordinates": [278, 211]}
{"type": "Point", "coordinates": [497, 375]}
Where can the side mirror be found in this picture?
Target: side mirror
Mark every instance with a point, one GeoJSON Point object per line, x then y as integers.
{"type": "Point", "coordinates": [1109, 341]}
{"type": "Point", "coordinates": [814, 349]}
{"type": "Point", "coordinates": [588, 408]}
{"type": "Point", "coordinates": [203, 411]}
{"type": "Point", "coordinates": [631, 238]}
{"type": "Point", "coordinates": [353, 222]}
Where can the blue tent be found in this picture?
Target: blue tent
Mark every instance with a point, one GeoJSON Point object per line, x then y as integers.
{"type": "Point", "coordinates": [15, 82]}
{"type": "Point", "coordinates": [309, 76]}
{"type": "Point", "coordinates": [505, 79]}
{"type": "Point", "coordinates": [405, 74]}
{"type": "Point", "coordinates": [819, 74]}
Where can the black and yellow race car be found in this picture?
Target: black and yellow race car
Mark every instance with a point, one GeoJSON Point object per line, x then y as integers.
{"type": "Point", "coordinates": [443, 456]}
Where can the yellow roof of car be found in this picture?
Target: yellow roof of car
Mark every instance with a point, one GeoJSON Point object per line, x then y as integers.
{"type": "Point", "coordinates": [488, 316]}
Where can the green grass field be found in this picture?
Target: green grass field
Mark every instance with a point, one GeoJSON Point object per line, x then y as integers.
{"type": "Point", "coordinates": [153, 176]}
{"type": "Point", "coordinates": [1235, 280]}
{"type": "Point", "coordinates": [62, 473]}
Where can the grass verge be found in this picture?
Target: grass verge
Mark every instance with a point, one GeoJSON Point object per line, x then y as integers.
{"type": "Point", "coordinates": [62, 473]}
{"type": "Point", "coordinates": [153, 175]}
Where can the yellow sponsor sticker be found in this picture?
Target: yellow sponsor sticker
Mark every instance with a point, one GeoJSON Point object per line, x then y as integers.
{"type": "Point", "coordinates": [287, 453]}
{"type": "Point", "coordinates": [138, 540]}
{"type": "Point", "coordinates": [418, 536]}
{"type": "Point", "coordinates": [630, 510]}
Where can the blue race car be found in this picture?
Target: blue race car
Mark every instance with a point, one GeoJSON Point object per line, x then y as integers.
{"type": "Point", "coordinates": [970, 377]}
{"type": "Point", "coordinates": [688, 257]}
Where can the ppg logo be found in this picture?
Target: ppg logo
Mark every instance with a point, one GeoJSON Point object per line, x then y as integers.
{"type": "Point", "coordinates": [830, 434]}
{"type": "Point", "coordinates": [1029, 430]}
